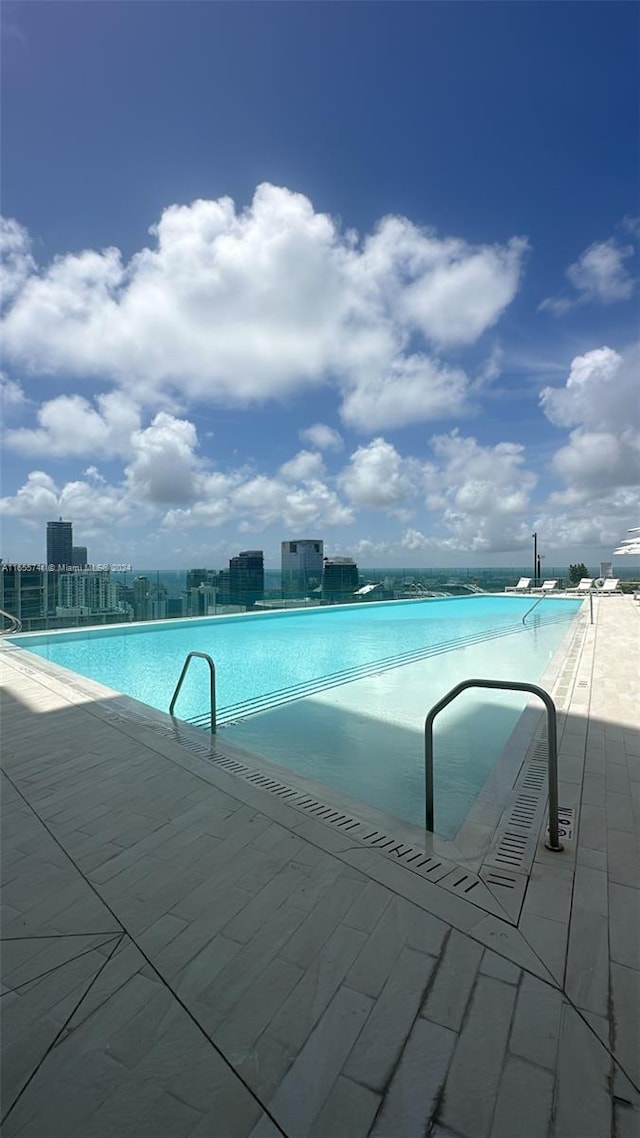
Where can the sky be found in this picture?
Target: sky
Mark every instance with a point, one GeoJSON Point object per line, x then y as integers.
{"type": "Point", "coordinates": [365, 272]}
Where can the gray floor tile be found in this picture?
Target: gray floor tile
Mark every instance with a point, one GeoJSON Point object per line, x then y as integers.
{"type": "Point", "coordinates": [304, 1089]}
{"type": "Point", "coordinates": [348, 1111]}
{"type": "Point", "coordinates": [536, 1024]}
{"type": "Point", "coordinates": [583, 1106]}
{"type": "Point", "coordinates": [523, 1109]}
{"type": "Point", "coordinates": [410, 1104]}
{"type": "Point", "coordinates": [454, 980]}
{"type": "Point", "coordinates": [474, 1076]}
{"type": "Point", "coordinates": [375, 1054]}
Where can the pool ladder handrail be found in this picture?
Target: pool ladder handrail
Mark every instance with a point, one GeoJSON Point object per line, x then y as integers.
{"type": "Point", "coordinates": [212, 685]}
{"type": "Point", "coordinates": [553, 843]}
{"type": "Point", "coordinates": [537, 602]}
{"type": "Point", "coordinates": [16, 624]}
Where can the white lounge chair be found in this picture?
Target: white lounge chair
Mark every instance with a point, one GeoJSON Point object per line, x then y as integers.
{"type": "Point", "coordinates": [522, 587]}
{"type": "Point", "coordinates": [583, 586]}
{"type": "Point", "coordinates": [611, 585]}
{"type": "Point", "coordinates": [546, 587]}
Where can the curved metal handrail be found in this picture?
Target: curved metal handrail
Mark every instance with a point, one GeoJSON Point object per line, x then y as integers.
{"type": "Point", "coordinates": [552, 744]}
{"type": "Point", "coordinates": [212, 685]}
{"type": "Point", "coordinates": [16, 624]}
{"type": "Point", "coordinates": [538, 601]}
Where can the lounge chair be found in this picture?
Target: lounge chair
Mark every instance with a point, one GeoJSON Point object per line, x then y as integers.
{"type": "Point", "coordinates": [546, 587]}
{"type": "Point", "coordinates": [610, 585]}
{"type": "Point", "coordinates": [523, 586]}
{"type": "Point", "coordinates": [583, 586]}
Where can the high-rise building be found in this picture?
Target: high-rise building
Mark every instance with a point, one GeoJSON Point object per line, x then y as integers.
{"type": "Point", "coordinates": [246, 577]}
{"type": "Point", "coordinates": [149, 600]}
{"type": "Point", "coordinates": [88, 590]}
{"type": "Point", "coordinates": [27, 593]}
{"type": "Point", "coordinates": [339, 578]}
{"type": "Point", "coordinates": [301, 566]}
{"type": "Point", "coordinates": [59, 544]}
{"type": "Point", "coordinates": [79, 556]}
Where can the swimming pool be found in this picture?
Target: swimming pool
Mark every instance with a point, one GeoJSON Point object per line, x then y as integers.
{"type": "Point", "coordinates": [331, 692]}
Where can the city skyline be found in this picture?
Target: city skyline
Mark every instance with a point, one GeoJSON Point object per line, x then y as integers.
{"type": "Point", "coordinates": [371, 275]}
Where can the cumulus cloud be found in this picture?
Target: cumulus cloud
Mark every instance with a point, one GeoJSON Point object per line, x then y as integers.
{"type": "Point", "coordinates": [69, 425]}
{"type": "Point", "coordinates": [322, 437]}
{"type": "Point", "coordinates": [304, 467]}
{"type": "Point", "coordinates": [11, 393]}
{"type": "Point", "coordinates": [378, 477]}
{"type": "Point", "coordinates": [16, 260]}
{"type": "Point", "coordinates": [236, 307]}
{"type": "Point", "coordinates": [165, 465]}
{"type": "Point", "coordinates": [97, 505]}
{"type": "Point", "coordinates": [600, 274]}
{"type": "Point", "coordinates": [600, 401]}
{"type": "Point", "coordinates": [412, 388]}
{"type": "Point", "coordinates": [483, 493]}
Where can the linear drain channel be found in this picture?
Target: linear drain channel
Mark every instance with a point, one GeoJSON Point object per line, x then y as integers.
{"type": "Point", "coordinates": [430, 867]}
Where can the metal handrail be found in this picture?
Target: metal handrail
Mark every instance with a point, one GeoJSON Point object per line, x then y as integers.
{"type": "Point", "coordinates": [552, 746]}
{"type": "Point", "coordinates": [16, 624]}
{"type": "Point", "coordinates": [212, 685]}
{"type": "Point", "coordinates": [534, 606]}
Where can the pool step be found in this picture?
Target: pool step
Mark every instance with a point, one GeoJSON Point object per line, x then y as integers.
{"type": "Point", "coordinates": [235, 713]}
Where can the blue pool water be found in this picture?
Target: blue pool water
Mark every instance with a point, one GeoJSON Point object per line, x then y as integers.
{"type": "Point", "coordinates": [264, 661]}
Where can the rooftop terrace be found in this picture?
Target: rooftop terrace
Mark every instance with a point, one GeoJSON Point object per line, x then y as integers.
{"type": "Point", "coordinates": [187, 952]}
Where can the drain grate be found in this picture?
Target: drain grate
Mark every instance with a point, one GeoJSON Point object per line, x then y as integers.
{"type": "Point", "coordinates": [534, 779]}
{"type": "Point", "coordinates": [511, 849]}
{"type": "Point", "coordinates": [524, 810]}
{"type": "Point", "coordinates": [428, 866]}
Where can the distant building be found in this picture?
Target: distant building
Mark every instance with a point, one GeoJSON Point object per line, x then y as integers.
{"type": "Point", "coordinates": [149, 601]}
{"type": "Point", "coordinates": [197, 577]}
{"type": "Point", "coordinates": [86, 592]}
{"type": "Point", "coordinates": [79, 556]}
{"type": "Point", "coordinates": [302, 563]}
{"type": "Point", "coordinates": [59, 545]}
{"type": "Point", "coordinates": [27, 593]}
{"type": "Point", "coordinates": [339, 579]}
{"type": "Point", "coordinates": [246, 578]}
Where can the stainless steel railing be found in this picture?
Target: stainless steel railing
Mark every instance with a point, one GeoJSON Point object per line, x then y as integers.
{"type": "Point", "coordinates": [15, 626]}
{"type": "Point", "coordinates": [552, 747]}
{"type": "Point", "coordinates": [212, 685]}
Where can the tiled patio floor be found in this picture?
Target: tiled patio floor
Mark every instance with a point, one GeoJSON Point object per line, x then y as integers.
{"type": "Point", "coordinates": [186, 954]}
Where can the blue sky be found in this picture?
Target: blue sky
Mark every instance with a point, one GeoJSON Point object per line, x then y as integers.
{"type": "Point", "coordinates": [359, 271]}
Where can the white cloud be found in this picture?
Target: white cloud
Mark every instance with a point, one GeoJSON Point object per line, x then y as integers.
{"type": "Point", "coordinates": [599, 460]}
{"type": "Point", "coordinates": [69, 425]}
{"type": "Point", "coordinates": [11, 393]}
{"type": "Point", "coordinates": [91, 502]}
{"type": "Point", "coordinates": [464, 293]}
{"type": "Point", "coordinates": [322, 437]}
{"type": "Point", "coordinates": [16, 260]}
{"type": "Point", "coordinates": [164, 466]}
{"type": "Point", "coordinates": [600, 400]}
{"type": "Point", "coordinates": [263, 501]}
{"type": "Point", "coordinates": [235, 307]}
{"type": "Point", "coordinates": [632, 225]}
{"type": "Point", "coordinates": [483, 492]}
{"type": "Point", "coordinates": [599, 275]}
{"type": "Point", "coordinates": [377, 476]}
{"type": "Point", "coordinates": [413, 388]}
{"type": "Point", "coordinates": [414, 540]}
{"type": "Point", "coordinates": [38, 498]}
{"type": "Point", "coordinates": [304, 467]}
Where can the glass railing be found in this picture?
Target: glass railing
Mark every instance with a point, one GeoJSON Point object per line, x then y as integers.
{"type": "Point", "coordinates": [45, 600]}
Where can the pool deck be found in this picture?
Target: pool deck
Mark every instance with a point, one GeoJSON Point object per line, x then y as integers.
{"type": "Point", "coordinates": [185, 952]}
